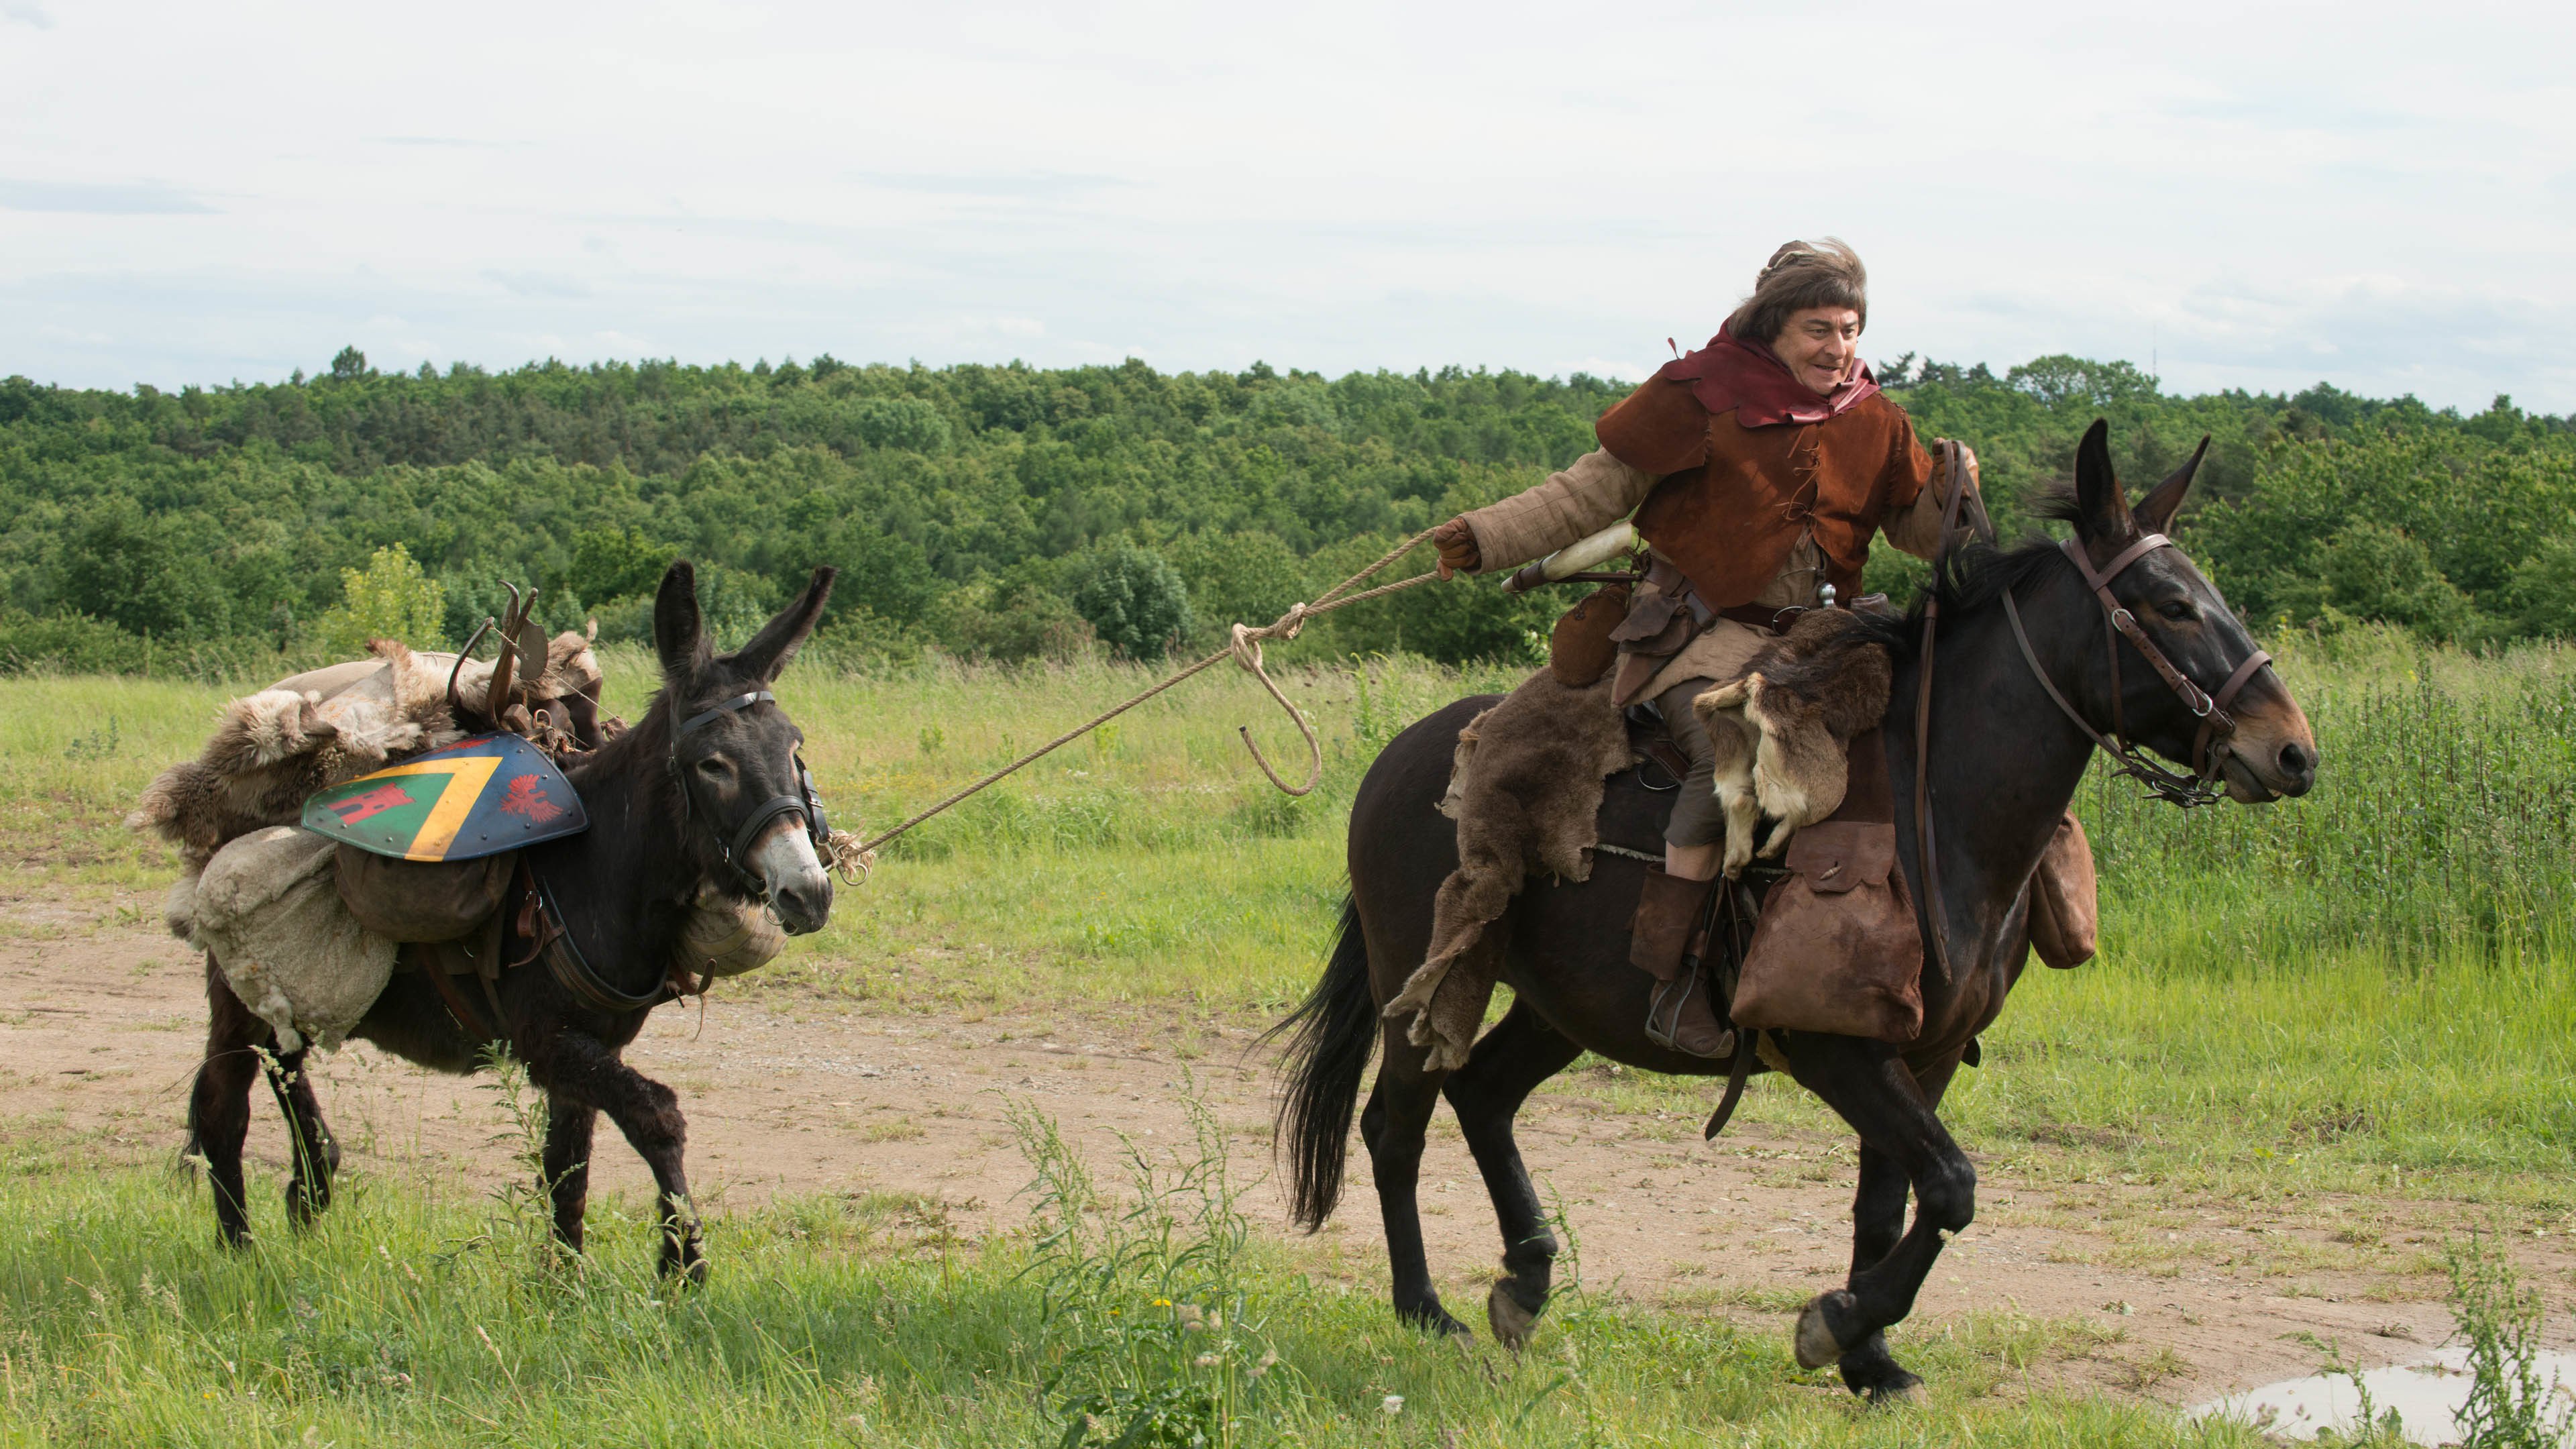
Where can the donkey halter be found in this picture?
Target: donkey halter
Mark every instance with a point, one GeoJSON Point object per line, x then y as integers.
{"type": "Point", "coordinates": [2210, 746]}
{"type": "Point", "coordinates": [807, 802]}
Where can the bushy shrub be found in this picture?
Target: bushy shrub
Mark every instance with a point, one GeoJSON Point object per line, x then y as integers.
{"type": "Point", "coordinates": [1134, 601]}
{"type": "Point", "coordinates": [1010, 622]}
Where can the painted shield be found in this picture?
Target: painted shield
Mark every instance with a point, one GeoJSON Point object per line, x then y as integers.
{"type": "Point", "coordinates": [474, 798]}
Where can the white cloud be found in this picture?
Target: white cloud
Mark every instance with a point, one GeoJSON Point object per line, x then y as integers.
{"type": "Point", "coordinates": [19, 12]}
{"type": "Point", "coordinates": [2255, 197]}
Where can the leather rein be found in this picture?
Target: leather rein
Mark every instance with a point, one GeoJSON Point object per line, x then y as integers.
{"type": "Point", "coordinates": [2209, 750]}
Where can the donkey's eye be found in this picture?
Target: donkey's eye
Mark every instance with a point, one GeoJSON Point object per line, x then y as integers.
{"type": "Point", "coordinates": [712, 767]}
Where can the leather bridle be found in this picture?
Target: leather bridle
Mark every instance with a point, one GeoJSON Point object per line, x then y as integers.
{"type": "Point", "coordinates": [2210, 746]}
{"type": "Point", "coordinates": [807, 802]}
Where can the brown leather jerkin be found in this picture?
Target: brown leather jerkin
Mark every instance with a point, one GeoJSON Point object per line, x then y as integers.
{"type": "Point", "coordinates": [1838, 948]}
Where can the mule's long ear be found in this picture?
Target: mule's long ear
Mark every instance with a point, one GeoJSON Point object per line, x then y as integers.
{"type": "Point", "coordinates": [775, 644]}
{"type": "Point", "coordinates": [2155, 512]}
{"type": "Point", "coordinates": [2101, 512]}
{"type": "Point", "coordinates": [679, 633]}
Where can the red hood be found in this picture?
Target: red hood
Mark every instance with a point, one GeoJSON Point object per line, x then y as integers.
{"type": "Point", "coordinates": [1734, 376]}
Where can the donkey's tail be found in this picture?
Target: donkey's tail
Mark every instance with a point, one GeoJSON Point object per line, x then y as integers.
{"type": "Point", "coordinates": [1336, 1029]}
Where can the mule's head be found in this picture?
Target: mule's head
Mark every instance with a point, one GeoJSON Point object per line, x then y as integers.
{"type": "Point", "coordinates": [734, 751]}
{"type": "Point", "coordinates": [2273, 752]}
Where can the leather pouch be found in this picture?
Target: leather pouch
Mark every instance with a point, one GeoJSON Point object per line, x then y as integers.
{"type": "Point", "coordinates": [1837, 948]}
{"type": "Point", "coordinates": [1580, 650]}
{"type": "Point", "coordinates": [2065, 914]}
{"type": "Point", "coordinates": [415, 901]}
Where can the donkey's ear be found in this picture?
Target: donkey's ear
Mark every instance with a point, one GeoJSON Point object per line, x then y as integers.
{"type": "Point", "coordinates": [2101, 512]}
{"type": "Point", "coordinates": [2155, 512]}
{"type": "Point", "coordinates": [776, 643]}
{"type": "Point", "coordinates": [679, 633]}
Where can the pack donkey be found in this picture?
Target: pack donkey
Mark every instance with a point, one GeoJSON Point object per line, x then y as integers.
{"type": "Point", "coordinates": [2013, 727]}
{"type": "Point", "coordinates": [696, 796]}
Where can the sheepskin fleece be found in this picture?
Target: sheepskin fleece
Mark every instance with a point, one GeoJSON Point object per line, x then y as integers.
{"type": "Point", "coordinates": [267, 910]}
{"type": "Point", "coordinates": [1526, 792]}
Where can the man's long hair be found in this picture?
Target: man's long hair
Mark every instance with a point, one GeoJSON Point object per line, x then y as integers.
{"type": "Point", "coordinates": [1800, 275]}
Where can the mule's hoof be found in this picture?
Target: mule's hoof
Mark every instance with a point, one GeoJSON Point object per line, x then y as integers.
{"type": "Point", "coordinates": [1814, 1341]}
{"type": "Point", "coordinates": [1510, 1322]}
{"type": "Point", "coordinates": [1903, 1392]}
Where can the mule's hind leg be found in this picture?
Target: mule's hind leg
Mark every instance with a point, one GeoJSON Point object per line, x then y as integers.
{"type": "Point", "coordinates": [569, 1126]}
{"type": "Point", "coordinates": [1503, 1069]}
{"type": "Point", "coordinates": [580, 1070]}
{"type": "Point", "coordinates": [1869, 1087]}
{"type": "Point", "coordinates": [1391, 1127]}
{"type": "Point", "coordinates": [219, 1102]}
{"type": "Point", "coordinates": [317, 1152]}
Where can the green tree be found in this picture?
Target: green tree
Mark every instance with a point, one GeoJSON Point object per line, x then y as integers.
{"type": "Point", "coordinates": [391, 598]}
{"type": "Point", "coordinates": [1134, 602]}
{"type": "Point", "coordinates": [145, 575]}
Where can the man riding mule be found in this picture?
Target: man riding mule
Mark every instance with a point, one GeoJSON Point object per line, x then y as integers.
{"type": "Point", "coordinates": [2044, 653]}
{"type": "Point", "coordinates": [1758, 469]}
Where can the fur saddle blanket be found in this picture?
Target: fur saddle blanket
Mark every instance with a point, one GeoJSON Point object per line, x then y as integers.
{"type": "Point", "coordinates": [261, 894]}
{"type": "Point", "coordinates": [1526, 785]}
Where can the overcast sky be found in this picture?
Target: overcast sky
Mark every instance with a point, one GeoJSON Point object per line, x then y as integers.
{"type": "Point", "coordinates": [2379, 196]}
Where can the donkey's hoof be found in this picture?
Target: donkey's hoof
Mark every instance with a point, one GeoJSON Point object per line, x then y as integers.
{"type": "Point", "coordinates": [1510, 1322]}
{"type": "Point", "coordinates": [1814, 1341]}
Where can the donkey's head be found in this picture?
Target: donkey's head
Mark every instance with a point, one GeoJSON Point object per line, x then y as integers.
{"type": "Point", "coordinates": [2272, 752]}
{"type": "Point", "coordinates": [753, 818]}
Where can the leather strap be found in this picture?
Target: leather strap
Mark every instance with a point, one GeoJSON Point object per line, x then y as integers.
{"type": "Point", "coordinates": [716, 712]}
{"type": "Point", "coordinates": [465, 1015]}
{"type": "Point", "coordinates": [1735, 1079]}
{"type": "Point", "coordinates": [1936, 914]}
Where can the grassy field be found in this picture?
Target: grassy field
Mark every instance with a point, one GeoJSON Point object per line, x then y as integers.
{"type": "Point", "coordinates": [2366, 991]}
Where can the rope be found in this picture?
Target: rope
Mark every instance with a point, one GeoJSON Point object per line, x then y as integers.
{"type": "Point", "coordinates": [853, 857]}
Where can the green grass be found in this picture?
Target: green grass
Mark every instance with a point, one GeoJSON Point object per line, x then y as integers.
{"type": "Point", "coordinates": [408, 1319]}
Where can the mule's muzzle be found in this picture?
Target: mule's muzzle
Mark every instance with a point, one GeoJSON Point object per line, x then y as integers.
{"type": "Point", "coordinates": [2273, 754]}
{"type": "Point", "coordinates": [800, 889]}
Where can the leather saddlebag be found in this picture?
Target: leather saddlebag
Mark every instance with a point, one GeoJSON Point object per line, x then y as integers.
{"type": "Point", "coordinates": [1580, 651]}
{"type": "Point", "coordinates": [418, 901]}
{"type": "Point", "coordinates": [1837, 948]}
{"type": "Point", "coordinates": [2065, 916]}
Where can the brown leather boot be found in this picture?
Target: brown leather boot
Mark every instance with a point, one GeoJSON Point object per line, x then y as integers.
{"type": "Point", "coordinates": [1681, 1016]}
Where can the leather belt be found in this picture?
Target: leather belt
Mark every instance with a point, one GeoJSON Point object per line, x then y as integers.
{"type": "Point", "coordinates": [1669, 581]}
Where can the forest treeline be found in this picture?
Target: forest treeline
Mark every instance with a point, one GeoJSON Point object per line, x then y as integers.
{"type": "Point", "coordinates": [1008, 512]}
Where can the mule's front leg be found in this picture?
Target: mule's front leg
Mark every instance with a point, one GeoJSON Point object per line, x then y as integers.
{"type": "Point", "coordinates": [584, 1071]}
{"type": "Point", "coordinates": [1871, 1089]}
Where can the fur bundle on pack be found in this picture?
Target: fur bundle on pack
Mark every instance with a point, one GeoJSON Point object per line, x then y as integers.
{"type": "Point", "coordinates": [1781, 730]}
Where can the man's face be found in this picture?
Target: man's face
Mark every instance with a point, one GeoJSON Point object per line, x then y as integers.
{"type": "Point", "coordinates": [1820, 346]}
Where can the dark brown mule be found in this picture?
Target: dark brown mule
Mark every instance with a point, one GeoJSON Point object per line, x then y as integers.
{"type": "Point", "coordinates": [2006, 762]}
{"type": "Point", "coordinates": [664, 822]}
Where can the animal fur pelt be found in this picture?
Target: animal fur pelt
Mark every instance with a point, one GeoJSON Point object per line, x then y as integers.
{"type": "Point", "coordinates": [273, 749]}
{"type": "Point", "coordinates": [1526, 792]}
{"type": "Point", "coordinates": [1780, 730]}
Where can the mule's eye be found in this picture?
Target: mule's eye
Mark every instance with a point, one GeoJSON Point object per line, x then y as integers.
{"type": "Point", "coordinates": [712, 767]}
{"type": "Point", "coordinates": [2177, 609]}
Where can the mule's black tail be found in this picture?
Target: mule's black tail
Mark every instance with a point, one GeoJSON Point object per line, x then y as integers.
{"type": "Point", "coordinates": [1336, 1029]}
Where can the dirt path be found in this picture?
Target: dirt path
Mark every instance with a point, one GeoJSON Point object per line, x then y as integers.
{"type": "Point", "coordinates": [2181, 1300]}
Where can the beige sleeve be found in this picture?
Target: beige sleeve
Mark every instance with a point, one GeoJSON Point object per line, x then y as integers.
{"type": "Point", "coordinates": [1916, 528]}
{"type": "Point", "coordinates": [1595, 492]}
